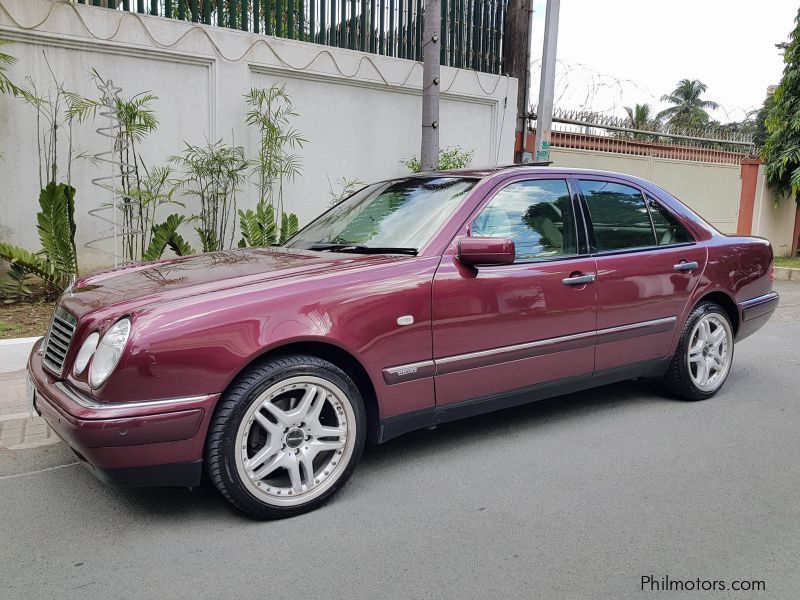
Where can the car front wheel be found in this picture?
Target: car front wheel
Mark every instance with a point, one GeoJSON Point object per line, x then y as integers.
{"type": "Point", "coordinates": [286, 436]}
{"type": "Point", "coordinates": [704, 355]}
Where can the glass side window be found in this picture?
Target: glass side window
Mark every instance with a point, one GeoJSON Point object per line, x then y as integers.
{"type": "Point", "coordinates": [536, 214]}
{"type": "Point", "coordinates": [668, 229]}
{"type": "Point", "coordinates": [619, 215]}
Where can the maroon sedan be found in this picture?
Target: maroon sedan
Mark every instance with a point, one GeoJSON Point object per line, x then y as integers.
{"type": "Point", "coordinates": [415, 301]}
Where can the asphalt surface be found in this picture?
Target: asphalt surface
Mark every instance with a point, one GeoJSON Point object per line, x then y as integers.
{"type": "Point", "coordinates": [575, 497]}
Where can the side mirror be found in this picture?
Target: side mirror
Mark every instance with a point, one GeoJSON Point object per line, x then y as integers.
{"type": "Point", "coordinates": [473, 251]}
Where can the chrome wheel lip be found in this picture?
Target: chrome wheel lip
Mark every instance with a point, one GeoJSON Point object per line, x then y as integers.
{"type": "Point", "coordinates": [709, 354]}
{"type": "Point", "coordinates": [335, 466]}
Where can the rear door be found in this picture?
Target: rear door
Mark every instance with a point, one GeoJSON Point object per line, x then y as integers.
{"type": "Point", "coordinates": [505, 327]}
{"type": "Point", "coordinates": [647, 264]}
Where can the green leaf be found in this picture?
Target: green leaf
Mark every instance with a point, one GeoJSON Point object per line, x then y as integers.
{"type": "Point", "coordinates": [166, 235]}
{"type": "Point", "coordinates": [56, 226]}
{"type": "Point", "coordinates": [25, 262]}
{"type": "Point", "coordinates": [289, 226]}
{"type": "Point", "coordinates": [258, 227]}
{"type": "Point", "coordinates": [208, 238]}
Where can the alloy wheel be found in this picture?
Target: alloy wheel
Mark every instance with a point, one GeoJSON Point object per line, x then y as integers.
{"type": "Point", "coordinates": [709, 352]}
{"type": "Point", "coordinates": [295, 440]}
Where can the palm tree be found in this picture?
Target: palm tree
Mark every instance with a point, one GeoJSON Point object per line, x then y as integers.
{"type": "Point", "coordinates": [688, 110]}
{"type": "Point", "coordinates": [640, 116]}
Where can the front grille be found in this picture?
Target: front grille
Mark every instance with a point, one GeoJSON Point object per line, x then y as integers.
{"type": "Point", "coordinates": [58, 338]}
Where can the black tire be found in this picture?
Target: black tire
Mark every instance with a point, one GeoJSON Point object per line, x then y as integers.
{"type": "Point", "coordinates": [678, 379]}
{"type": "Point", "coordinates": [221, 443]}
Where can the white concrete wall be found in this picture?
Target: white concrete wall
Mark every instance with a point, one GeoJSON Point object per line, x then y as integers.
{"type": "Point", "coordinates": [711, 190]}
{"type": "Point", "coordinates": [360, 112]}
{"type": "Point", "coordinates": [773, 221]}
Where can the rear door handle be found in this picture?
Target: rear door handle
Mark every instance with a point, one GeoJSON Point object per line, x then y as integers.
{"type": "Point", "coordinates": [579, 279]}
{"type": "Point", "coordinates": [686, 266]}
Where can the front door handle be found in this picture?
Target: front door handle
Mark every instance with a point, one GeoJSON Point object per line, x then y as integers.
{"type": "Point", "coordinates": [686, 266]}
{"type": "Point", "coordinates": [579, 279]}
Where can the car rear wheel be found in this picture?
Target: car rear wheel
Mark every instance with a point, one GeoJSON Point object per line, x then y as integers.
{"type": "Point", "coordinates": [704, 355]}
{"type": "Point", "coordinates": [286, 436]}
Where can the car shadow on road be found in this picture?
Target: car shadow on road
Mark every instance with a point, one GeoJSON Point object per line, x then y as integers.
{"type": "Point", "coordinates": [525, 419]}
{"type": "Point", "coordinates": [182, 504]}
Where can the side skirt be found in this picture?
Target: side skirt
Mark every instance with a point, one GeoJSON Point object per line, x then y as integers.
{"type": "Point", "coordinates": [395, 426]}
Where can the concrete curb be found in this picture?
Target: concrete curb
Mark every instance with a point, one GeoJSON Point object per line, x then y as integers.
{"type": "Point", "coordinates": [14, 353]}
{"type": "Point", "coordinates": [787, 274]}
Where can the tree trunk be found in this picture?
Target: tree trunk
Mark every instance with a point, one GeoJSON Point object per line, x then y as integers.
{"type": "Point", "coordinates": [429, 154]}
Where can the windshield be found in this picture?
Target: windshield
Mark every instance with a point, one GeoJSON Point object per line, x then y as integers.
{"type": "Point", "coordinates": [398, 215]}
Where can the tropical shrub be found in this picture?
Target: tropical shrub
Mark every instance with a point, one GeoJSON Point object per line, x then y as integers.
{"type": "Point", "coordinates": [57, 262]}
{"type": "Point", "coordinates": [214, 174]}
{"type": "Point", "coordinates": [142, 190]}
{"type": "Point", "coordinates": [781, 150]}
{"type": "Point", "coordinates": [271, 113]}
{"type": "Point", "coordinates": [6, 85]}
{"type": "Point", "coordinates": [165, 235]}
{"type": "Point", "coordinates": [346, 187]}
{"type": "Point", "coordinates": [260, 229]}
{"type": "Point", "coordinates": [454, 157]}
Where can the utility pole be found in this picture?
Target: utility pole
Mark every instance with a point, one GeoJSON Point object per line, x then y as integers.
{"type": "Point", "coordinates": [429, 153]}
{"type": "Point", "coordinates": [517, 59]}
{"type": "Point", "coordinates": [547, 84]}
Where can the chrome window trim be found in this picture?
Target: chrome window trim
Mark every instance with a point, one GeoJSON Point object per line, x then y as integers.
{"type": "Point", "coordinates": [642, 249]}
{"type": "Point", "coordinates": [90, 403]}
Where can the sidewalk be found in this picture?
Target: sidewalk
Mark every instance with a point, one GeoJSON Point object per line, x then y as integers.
{"type": "Point", "coordinates": [20, 430]}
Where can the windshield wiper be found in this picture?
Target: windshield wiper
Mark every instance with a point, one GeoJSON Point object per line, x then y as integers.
{"type": "Point", "coordinates": [359, 249]}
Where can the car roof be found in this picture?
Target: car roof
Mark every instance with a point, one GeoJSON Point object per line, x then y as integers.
{"type": "Point", "coordinates": [527, 168]}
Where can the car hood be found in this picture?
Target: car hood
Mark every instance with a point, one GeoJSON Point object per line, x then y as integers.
{"type": "Point", "coordinates": [128, 288]}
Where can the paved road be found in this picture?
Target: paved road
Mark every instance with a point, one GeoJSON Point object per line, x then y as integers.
{"type": "Point", "coordinates": [576, 497]}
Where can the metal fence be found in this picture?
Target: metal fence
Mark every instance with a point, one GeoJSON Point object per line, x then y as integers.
{"type": "Point", "coordinates": [471, 30]}
{"type": "Point", "coordinates": [582, 130]}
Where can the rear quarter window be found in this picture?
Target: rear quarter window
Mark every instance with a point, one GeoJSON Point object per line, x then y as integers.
{"type": "Point", "coordinates": [668, 230]}
{"type": "Point", "coordinates": [619, 215]}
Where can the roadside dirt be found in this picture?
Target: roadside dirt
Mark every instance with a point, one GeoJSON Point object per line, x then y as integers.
{"type": "Point", "coordinates": [24, 319]}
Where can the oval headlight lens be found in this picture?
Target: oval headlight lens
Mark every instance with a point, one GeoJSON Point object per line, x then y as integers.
{"type": "Point", "coordinates": [85, 353]}
{"type": "Point", "coordinates": [108, 352]}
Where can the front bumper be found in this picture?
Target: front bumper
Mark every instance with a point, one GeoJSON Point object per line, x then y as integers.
{"type": "Point", "coordinates": [156, 442]}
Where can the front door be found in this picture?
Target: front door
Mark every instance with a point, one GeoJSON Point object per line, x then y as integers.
{"type": "Point", "coordinates": [647, 267]}
{"type": "Point", "coordinates": [503, 328]}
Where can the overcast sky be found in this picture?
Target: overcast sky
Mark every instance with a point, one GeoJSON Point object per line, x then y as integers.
{"type": "Point", "coordinates": [614, 53]}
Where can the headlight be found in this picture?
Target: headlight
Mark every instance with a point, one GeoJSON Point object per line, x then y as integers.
{"type": "Point", "coordinates": [85, 353]}
{"type": "Point", "coordinates": [108, 352]}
